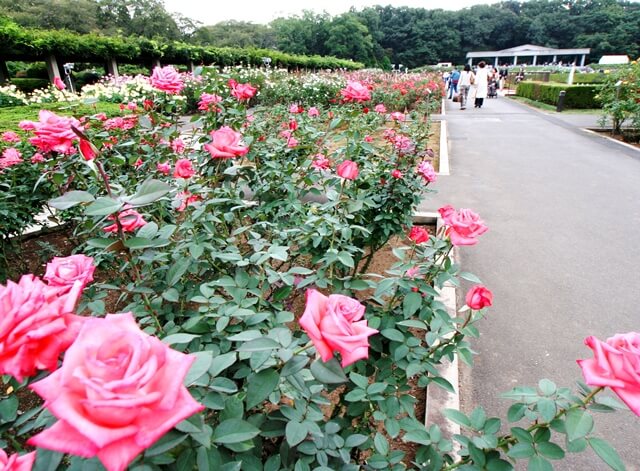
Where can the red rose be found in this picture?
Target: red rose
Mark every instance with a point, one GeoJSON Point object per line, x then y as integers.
{"type": "Point", "coordinates": [479, 297]}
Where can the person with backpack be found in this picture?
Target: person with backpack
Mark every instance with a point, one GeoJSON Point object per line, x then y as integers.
{"type": "Point", "coordinates": [453, 82]}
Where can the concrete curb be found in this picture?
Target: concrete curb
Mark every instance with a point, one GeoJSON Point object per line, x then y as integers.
{"type": "Point", "coordinates": [628, 146]}
{"type": "Point", "coordinates": [443, 167]}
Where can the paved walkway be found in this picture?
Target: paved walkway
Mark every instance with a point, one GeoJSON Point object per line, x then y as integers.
{"type": "Point", "coordinates": [561, 255]}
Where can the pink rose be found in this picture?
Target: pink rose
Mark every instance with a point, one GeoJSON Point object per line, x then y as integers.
{"type": "Point", "coordinates": [313, 112]}
{"type": "Point", "coordinates": [225, 144]}
{"type": "Point", "coordinates": [292, 142]}
{"type": "Point", "coordinates": [397, 116]}
{"type": "Point", "coordinates": [117, 392]}
{"type": "Point", "coordinates": [243, 91]}
{"type": "Point", "coordinates": [356, 92]}
{"type": "Point", "coordinates": [186, 199]}
{"type": "Point", "coordinates": [37, 325]}
{"type": "Point", "coordinates": [334, 325]}
{"type": "Point", "coordinates": [348, 170]}
{"type": "Point", "coordinates": [295, 108]}
{"type": "Point", "coordinates": [10, 157]}
{"type": "Point", "coordinates": [427, 172]}
{"type": "Point", "coordinates": [167, 79]}
{"type": "Point", "coordinates": [87, 150]}
{"type": "Point", "coordinates": [380, 108]}
{"type": "Point", "coordinates": [65, 271]}
{"type": "Point", "coordinates": [130, 220]}
{"type": "Point", "coordinates": [419, 234]}
{"type": "Point", "coordinates": [53, 133]}
{"type": "Point", "coordinates": [320, 162]}
{"type": "Point", "coordinates": [177, 145]}
{"type": "Point", "coordinates": [404, 145]}
{"type": "Point", "coordinates": [396, 173]}
{"type": "Point", "coordinates": [368, 138]}
{"type": "Point", "coordinates": [10, 137]}
{"type": "Point", "coordinates": [479, 297]}
{"type": "Point", "coordinates": [164, 168]}
{"type": "Point", "coordinates": [208, 102]}
{"type": "Point", "coordinates": [463, 226]}
{"type": "Point", "coordinates": [27, 125]}
{"type": "Point", "coordinates": [59, 84]}
{"type": "Point", "coordinates": [132, 106]}
{"type": "Point", "coordinates": [37, 158]}
{"type": "Point", "coordinates": [17, 463]}
{"type": "Point", "coordinates": [615, 364]}
{"type": "Point", "coordinates": [412, 272]}
{"type": "Point", "coordinates": [184, 169]}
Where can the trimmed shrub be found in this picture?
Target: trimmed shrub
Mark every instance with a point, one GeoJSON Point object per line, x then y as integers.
{"type": "Point", "coordinates": [577, 96]}
{"type": "Point", "coordinates": [28, 85]}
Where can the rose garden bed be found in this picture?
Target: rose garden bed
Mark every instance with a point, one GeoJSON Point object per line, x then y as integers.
{"type": "Point", "coordinates": [277, 332]}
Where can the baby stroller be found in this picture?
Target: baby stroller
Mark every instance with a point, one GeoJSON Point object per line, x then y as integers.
{"type": "Point", "coordinates": [492, 91]}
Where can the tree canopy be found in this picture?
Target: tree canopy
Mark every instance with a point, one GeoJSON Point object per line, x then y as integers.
{"type": "Point", "coordinates": [377, 35]}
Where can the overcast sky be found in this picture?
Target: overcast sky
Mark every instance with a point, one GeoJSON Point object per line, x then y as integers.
{"type": "Point", "coordinates": [263, 11]}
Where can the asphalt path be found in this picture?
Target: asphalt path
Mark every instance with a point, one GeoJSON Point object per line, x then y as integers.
{"type": "Point", "coordinates": [562, 254]}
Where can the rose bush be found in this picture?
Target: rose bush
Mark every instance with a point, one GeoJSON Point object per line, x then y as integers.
{"type": "Point", "coordinates": [217, 266]}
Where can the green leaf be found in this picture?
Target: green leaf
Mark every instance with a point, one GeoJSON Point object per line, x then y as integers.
{"type": "Point", "coordinates": [393, 334]}
{"type": "Point", "coordinates": [328, 373]}
{"type": "Point", "coordinates": [417, 436]}
{"type": "Point", "coordinates": [234, 431]}
{"type": "Point", "coordinates": [497, 464]}
{"type": "Point", "coordinates": [104, 206]}
{"type": "Point", "coordinates": [139, 243]}
{"type": "Point", "coordinates": [47, 460]}
{"type": "Point", "coordinates": [150, 191]}
{"type": "Point", "coordinates": [516, 412]}
{"type": "Point", "coordinates": [199, 367]}
{"type": "Point", "coordinates": [470, 277]}
{"type": "Point", "coordinates": [578, 424]}
{"type": "Point", "coordinates": [178, 338]}
{"type": "Point", "coordinates": [521, 434]}
{"type": "Point", "coordinates": [457, 417]}
{"type": "Point", "coordinates": [166, 443]}
{"type": "Point", "coordinates": [546, 409]}
{"type": "Point", "coordinates": [221, 363]}
{"type": "Point", "coordinates": [355, 440]}
{"type": "Point", "coordinates": [538, 463]}
{"type": "Point", "coordinates": [547, 387]}
{"type": "Point", "coordinates": [411, 303]}
{"type": "Point", "coordinates": [177, 270]}
{"type": "Point", "coordinates": [577, 446]}
{"type": "Point", "coordinates": [550, 450]}
{"type": "Point", "coordinates": [9, 409]}
{"type": "Point", "coordinates": [607, 453]}
{"type": "Point", "coordinates": [346, 259]}
{"type": "Point", "coordinates": [294, 365]}
{"type": "Point", "coordinates": [71, 199]}
{"type": "Point", "coordinates": [260, 386]}
{"type": "Point", "coordinates": [521, 450]}
{"type": "Point", "coordinates": [261, 344]}
{"type": "Point", "coordinates": [381, 444]}
{"type": "Point", "coordinates": [295, 432]}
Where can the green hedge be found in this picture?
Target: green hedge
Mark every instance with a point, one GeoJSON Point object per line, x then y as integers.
{"type": "Point", "coordinates": [577, 96]}
{"type": "Point", "coordinates": [28, 85]}
{"type": "Point", "coordinates": [20, 43]}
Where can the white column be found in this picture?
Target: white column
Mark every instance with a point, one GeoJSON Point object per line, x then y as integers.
{"type": "Point", "coordinates": [535, 60]}
{"type": "Point", "coordinates": [495, 62]}
{"type": "Point", "coordinates": [515, 60]}
{"type": "Point", "coordinates": [155, 63]}
{"type": "Point", "coordinates": [112, 67]}
{"type": "Point", "coordinates": [555, 58]}
{"type": "Point", "coordinates": [582, 60]}
{"type": "Point", "coordinates": [470, 61]}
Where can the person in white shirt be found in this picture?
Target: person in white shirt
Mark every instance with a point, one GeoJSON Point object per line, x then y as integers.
{"type": "Point", "coordinates": [467, 78]}
{"type": "Point", "coordinates": [481, 84]}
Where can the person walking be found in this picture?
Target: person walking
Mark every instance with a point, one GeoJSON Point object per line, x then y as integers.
{"type": "Point", "coordinates": [467, 78]}
{"type": "Point", "coordinates": [453, 83]}
{"type": "Point", "coordinates": [481, 84]}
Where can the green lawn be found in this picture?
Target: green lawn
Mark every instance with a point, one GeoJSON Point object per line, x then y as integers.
{"type": "Point", "coordinates": [547, 107]}
{"type": "Point", "coordinates": [10, 116]}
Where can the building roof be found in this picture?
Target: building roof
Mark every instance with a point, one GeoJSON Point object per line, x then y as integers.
{"type": "Point", "coordinates": [529, 50]}
{"type": "Point", "coordinates": [614, 59]}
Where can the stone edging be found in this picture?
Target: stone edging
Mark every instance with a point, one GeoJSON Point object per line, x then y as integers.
{"type": "Point", "coordinates": [611, 139]}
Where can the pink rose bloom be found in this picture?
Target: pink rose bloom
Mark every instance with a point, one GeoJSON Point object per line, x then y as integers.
{"type": "Point", "coordinates": [313, 112]}
{"type": "Point", "coordinates": [101, 117]}
{"type": "Point", "coordinates": [53, 133]}
{"type": "Point", "coordinates": [87, 150]}
{"type": "Point", "coordinates": [138, 163]}
{"type": "Point", "coordinates": [225, 144]}
{"type": "Point", "coordinates": [403, 144]}
{"type": "Point", "coordinates": [243, 91]}
{"type": "Point", "coordinates": [64, 272]}
{"type": "Point", "coordinates": [479, 297]}
{"type": "Point", "coordinates": [208, 102]}
{"type": "Point", "coordinates": [10, 137]}
{"type": "Point", "coordinates": [17, 463]}
{"type": "Point", "coordinates": [412, 272]}
{"type": "Point", "coordinates": [380, 108]}
{"type": "Point", "coordinates": [292, 142]}
{"type": "Point", "coordinates": [419, 234]}
{"type": "Point", "coordinates": [27, 125]}
{"type": "Point", "coordinates": [293, 124]}
{"type": "Point", "coordinates": [164, 168]}
{"type": "Point", "coordinates": [37, 325]}
{"type": "Point", "coordinates": [355, 92]}
{"type": "Point", "coordinates": [167, 79]}
{"type": "Point", "coordinates": [320, 162]}
{"type": "Point", "coordinates": [396, 173]}
{"type": "Point", "coordinates": [426, 171]}
{"type": "Point", "coordinates": [334, 325]}
{"type": "Point", "coordinates": [130, 220]}
{"type": "Point", "coordinates": [464, 226]}
{"type": "Point", "coordinates": [397, 116]}
{"type": "Point", "coordinates": [178, 146]}
{"type": "Point", "coordinates": [59, 84]}
{"type": "Point", "coordinates": [10, 157]}
{"type": "Point", "coordinates": [117, 392]}
{"type": "Point", "coordinates": [286, 134]}
{"type": "Point", "coordinates": [615, 364]}
{"type": "Point", "coordinates": [368, 138]}
{"type": "Point", "coordinates": [295, 108]}
{"type": "Point", "coordinates": [389, 134]}
{"type": "Point", "coordinates": [132, 106]}
{"type": "Point", "coordinates": [348, 170]}
{"type": "Point", "coordinates": [37, 158]}
{"type": "Point", "coordinates": [184, 169]}
{"type": "Point", "coordinates": [186, 199]}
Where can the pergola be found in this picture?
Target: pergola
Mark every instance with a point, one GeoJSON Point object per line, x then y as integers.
{"type": "Point", "coordinates": [528, 50]}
